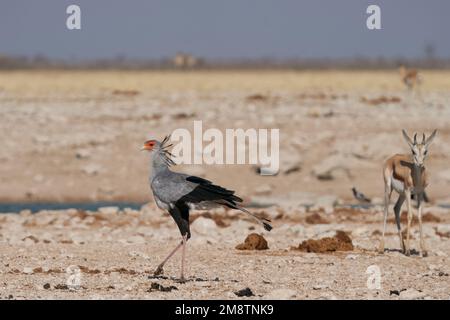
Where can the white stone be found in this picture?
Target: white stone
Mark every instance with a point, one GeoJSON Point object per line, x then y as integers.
{"type": "Point", "coordinates": [136, 239]}
{"type": "Point", "coordinates": [204, 226]}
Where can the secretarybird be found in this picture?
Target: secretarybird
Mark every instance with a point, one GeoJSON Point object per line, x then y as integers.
{"type": "Point", "coordinates": [178, 192]}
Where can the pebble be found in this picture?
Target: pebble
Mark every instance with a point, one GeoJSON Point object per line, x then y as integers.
{"type": "Point", "coordinates": [28, 270]}
{"type": "Point", "coordinates": [91, 169]}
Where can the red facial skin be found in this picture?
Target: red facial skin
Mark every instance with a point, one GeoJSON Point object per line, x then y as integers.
{"type": "Point", "coordinates": [148, 145]}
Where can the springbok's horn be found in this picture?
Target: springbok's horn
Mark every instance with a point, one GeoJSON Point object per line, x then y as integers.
{"type": "Point", "coordinates": [423, 139]}
{"type": "Point", "coordinates": [415, 138]}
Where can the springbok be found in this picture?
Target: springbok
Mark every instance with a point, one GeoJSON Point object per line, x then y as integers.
{"type": "Point", "coordinates": [410, 77]}
{"type": "Point", "coordinates": [407, 176]}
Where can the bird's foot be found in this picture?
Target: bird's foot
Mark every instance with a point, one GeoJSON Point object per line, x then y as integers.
{"type": "Point", "coordinates": [407, 252]}
{"type": "Point", "coordinates": [159, 271]}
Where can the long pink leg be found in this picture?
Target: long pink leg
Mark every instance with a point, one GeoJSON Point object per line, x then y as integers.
{"type": "Point", "coordinates": [159, 270]}
{"type": "Point", "coordinates": [182, 279]}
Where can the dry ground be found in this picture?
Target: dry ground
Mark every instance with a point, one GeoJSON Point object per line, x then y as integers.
{"type": "Point", "coordinates": [75, 136]}
{"type": "Point", "coordinates": [116, 252]}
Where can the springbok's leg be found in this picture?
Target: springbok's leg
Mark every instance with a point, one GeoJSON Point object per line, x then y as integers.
{"type": "Point", "coordinates": [423, 251]}
{"type": "Point", "coordinates": [160, 270]}
{"type": "Point", "coordinates": [183, 258]}
{"type": "Point", "coordinates": [397, 211]}
{"type": "Point", "coordinates": [387, 198]}
{"type": "Point", "coordinates": [408, 227]}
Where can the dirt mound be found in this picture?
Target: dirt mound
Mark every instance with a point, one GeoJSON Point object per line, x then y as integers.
{"type": "Point", "coordinates": [316, 218]}
{"type": "Point", "coordinates": [253, 241]}
{"type": "Point", "coordinates": [257, 98]}
{"type": "Point", "coordinates": [340, 242]}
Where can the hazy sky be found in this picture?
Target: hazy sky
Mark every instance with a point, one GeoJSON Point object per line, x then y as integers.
{"type": "Point", "coordinates": [224, 28]}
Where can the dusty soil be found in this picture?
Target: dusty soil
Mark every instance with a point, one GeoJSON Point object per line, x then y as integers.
{"type": "Point", "coordinates": [75, 136]}
{"type": "Point", "coordinates": [114, 253]}
{"type": "Point", "coordinates": [339, 242]}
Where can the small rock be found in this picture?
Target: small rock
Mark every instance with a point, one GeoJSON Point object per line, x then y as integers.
{"type": "Point", "coordinates": [247, 292]}
{"type": "Point", "coordinates": [30, 239]}
{"type": "Point", "coordinates": [136, 239]}
{"type": "Point", "coordinates": [28, 270]}
{"type": "Point", "coordinates": [83, 154]}
{"type": "Point", "coordinates": [360, 231]}
{"type": "Point", "coordinates": [263, 189]}
{"type": "Point", "coordinates": [395, 292]}
{"type": "Point", "coordinates": [91, 169]}
{"type": "Point", "coordinates": [204, 226]}
{"type": "Point", "coordinates": [320, 287]}
{"type": "Point", "coordinates": [158, 287]}
{"type": "Point", "coordinates": [61, 287]}
{"type": "Point", "coordinates": [47, 286]}
{"type": "Point", "coordinates": [281, 294]}
{"type": "Point", "coordinates": [440, 253]}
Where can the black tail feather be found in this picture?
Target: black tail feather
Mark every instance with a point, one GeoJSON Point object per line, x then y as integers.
{"type": "Point", "coordinates": [206, 191]}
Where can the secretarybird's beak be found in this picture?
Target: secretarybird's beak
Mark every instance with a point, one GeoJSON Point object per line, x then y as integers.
{"type": "Point", "coordinates": [148, 145]}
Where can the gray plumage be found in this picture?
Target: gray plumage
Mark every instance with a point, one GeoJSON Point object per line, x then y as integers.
{"type": "Point", "coordinates": [178, 192]}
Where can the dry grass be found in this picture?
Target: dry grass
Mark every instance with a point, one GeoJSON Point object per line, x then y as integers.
{"type": "Point", "coordinates": [86, 82]}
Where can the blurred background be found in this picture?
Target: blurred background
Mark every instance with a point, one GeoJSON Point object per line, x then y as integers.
{"type": "Point", "coordinates": [288, 33]}
{"type": "Point", "coordinates": [76, 105]}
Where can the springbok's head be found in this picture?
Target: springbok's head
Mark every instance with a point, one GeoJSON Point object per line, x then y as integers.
{"type": "Point", "coordinates": [419, 150]}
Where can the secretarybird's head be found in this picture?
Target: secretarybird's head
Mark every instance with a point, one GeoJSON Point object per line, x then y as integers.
{"type": "Point", "coordinates": [160, 149]}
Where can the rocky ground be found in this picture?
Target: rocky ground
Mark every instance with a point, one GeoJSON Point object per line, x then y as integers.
{"type": "Point", "coordinates": [108, 254]}
{"type": "Point", "coordinates": [74, 136]}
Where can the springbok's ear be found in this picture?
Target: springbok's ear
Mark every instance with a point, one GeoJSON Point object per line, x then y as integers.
{"type": "Point", "coordinates": [430, 138]}
{"type": "Point", "coordinates": [408, 140]}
